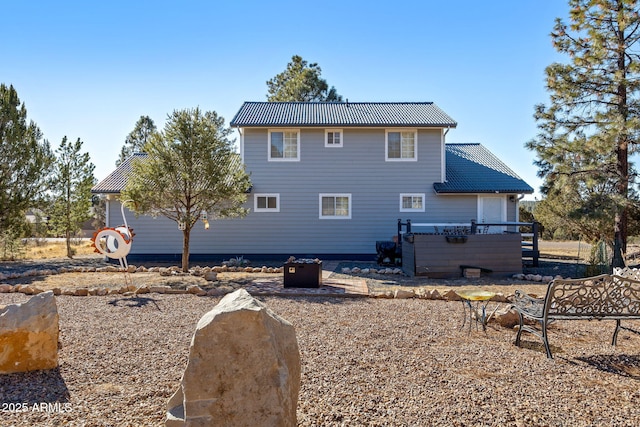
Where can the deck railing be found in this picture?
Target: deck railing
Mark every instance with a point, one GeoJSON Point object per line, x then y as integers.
{"type": "Point", "coordinates": [529, 237]}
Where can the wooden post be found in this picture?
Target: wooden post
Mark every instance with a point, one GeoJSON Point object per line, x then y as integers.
{"type": "Point", "coordinates": [536, 253]}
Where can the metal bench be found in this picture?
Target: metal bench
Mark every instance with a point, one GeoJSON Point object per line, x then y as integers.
{"type": "Point", "coordinates": [600, 297]}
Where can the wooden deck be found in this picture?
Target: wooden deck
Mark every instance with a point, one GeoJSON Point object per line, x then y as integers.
{"type": "Point", "coordinates": [435, 255]}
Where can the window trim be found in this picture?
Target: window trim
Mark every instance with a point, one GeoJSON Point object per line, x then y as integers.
{"type": "Point", "coordinates": [266, 195]}
{"type": "Point", "coordinates": [401, 159]}
{"type": "Point", "coordinates": [421, 195]}
{"type": "Point", "coordinates": [334, 195]}
{"type": "Point", "coordinates": [283, 159]}
{"type": "Point", "coordinates": [326, 138]}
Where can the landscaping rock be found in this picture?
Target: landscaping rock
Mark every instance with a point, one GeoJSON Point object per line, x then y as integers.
{"type": "Point", "coordinates": [29, 335]}
{"type": "Point", "coordinates": [383, 294]}
{"type": "Point", "coordinates": [81, 292]}
{"type": "Point", "coordinates": [435, 294]}
{"type": "Point", "coordinates": [196, 290]}
{"type": "Point", "coordinates": [500, 297]}
{"type": "Point", "coordinates": [243, 369]}
{"type": "Point", "coordinates": [403, 294]}
{"type": "Point", "coordinates": [451, 295]}
{"type": "Point", "coordinates": [211, 276]}
{"type": "Point", "coordinates": [6, 289]}
{"type": "Point", "coordinates": [505, 317]}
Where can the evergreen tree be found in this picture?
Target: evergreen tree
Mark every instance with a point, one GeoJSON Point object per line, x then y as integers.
{"type": "Point", "coordinates": [135, 141]}
{"type": "Point", "coordinates": [71, 184]}
{"type": "Point", "coordinates": [25, 161]}
{"type": "Point", "coordinates": [190, 169]}
{"type": "Point", "coordinates": [301, 82]}
{"type": "Point", "coordinates": [590, 126]}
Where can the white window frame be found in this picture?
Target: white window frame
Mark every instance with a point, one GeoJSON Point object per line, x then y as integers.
{"type": "Point", "coordinates": [283, 159]}
{"type": "Point", "coordinates": [266, 195]}
{"type": "Point", "coordinates": [412, 195]}
{"type": "Point", "coordinates": [401, 159]}
{"type": "Point", "coordinates": [326, 137]}
{"type": "Point", "coordinates": [334, 195]}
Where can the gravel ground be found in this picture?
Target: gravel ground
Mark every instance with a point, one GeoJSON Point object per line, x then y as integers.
{"type": "Point", "coordinates": [373, 362]}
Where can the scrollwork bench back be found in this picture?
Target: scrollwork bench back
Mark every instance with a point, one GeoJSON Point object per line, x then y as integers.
{"type": "Point", "coordinates": [601, 297]}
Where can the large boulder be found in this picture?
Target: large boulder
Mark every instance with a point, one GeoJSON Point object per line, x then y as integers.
{"type": "Point", "coordinates": [243, 369]}
{"type": "Point", "coordinates": [29, 335]}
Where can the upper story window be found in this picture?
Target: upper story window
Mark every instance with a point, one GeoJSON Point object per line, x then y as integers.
{"type": "Point", "coordinates": [335, 206]}
{"type": "Point", "coordinates": [333, 138]}
{"type": "Point", "coordinates": [284, 145]}
{"type": "Point", "coordinates": [401, 145]}
{"type": "Point", "coordinates": [412, 202]}
{"type": "Point", "coordinates": [266, 202]}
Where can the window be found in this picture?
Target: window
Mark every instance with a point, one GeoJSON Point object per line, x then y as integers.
{"type": "Point", "coordinates": [401, 145]}
{"type": "Point", "coordinates": [284, 145]}
{"type": "Point", "coordinates": [412, 202]}
{"type": "Point", "coordinates": [266, 202]}
{"type": "Point", "coordinates": [335, 206]}
{"type": "Point", "coordinates": [333, 138]}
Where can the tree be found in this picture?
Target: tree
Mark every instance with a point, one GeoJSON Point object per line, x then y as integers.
{"type": "Point", "coordinates": [590, 127]}
{"type": "Point", "coordinates": [138, 137]}
{"type": "Point", "coordinates": [190, 170]}
{"type": "Point", "coordinates": [71, 184]}
{"type": "Point", "coordinates": [301, 82]}
{"type": "Point", "coordinates": [25, 161]}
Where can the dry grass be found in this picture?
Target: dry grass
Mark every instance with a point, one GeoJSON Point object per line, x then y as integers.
{"type": "Point", "coordinates": [55, 249]}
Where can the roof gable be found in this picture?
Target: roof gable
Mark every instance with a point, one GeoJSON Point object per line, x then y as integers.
{"type": "Point", "coordinates": [115, 182]}
{"type": "Point", "coordinates": [341, 114]}
{"type": "Point", "coordinates": [471, 168]}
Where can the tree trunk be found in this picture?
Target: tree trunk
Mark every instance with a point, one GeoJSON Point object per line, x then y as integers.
{"type": "Point", "coordinates": [186, 233]}
{"type": "Point", "coordinates": [68, 239]}
{"type": "Point", "coordinates": [622, 160]}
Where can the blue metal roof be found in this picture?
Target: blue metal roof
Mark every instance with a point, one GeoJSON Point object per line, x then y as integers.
{"type": "Point", "coordinates": [115, 182]}
{"type": "Point", "coordinates": [341, 114]}
{"type": "Point", "coordinates": [471, 168]}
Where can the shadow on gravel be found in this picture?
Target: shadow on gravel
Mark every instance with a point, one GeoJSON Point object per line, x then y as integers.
{"type": "Point", "coordinates": [314, 299]}
{"type": "Point", "coordinates": [32, 388]}
{"type": "Point", "coordinates": [552, 267]}
{"type": "Point", "coordinates": [134, 302]}
{"type": "Point", "coordinates": [619, 364]}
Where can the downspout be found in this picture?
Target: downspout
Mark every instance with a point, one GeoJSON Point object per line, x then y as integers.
{"type": "Point", "coordinates": [443, 154]}
{"type": "Point", "coordinates": [241, 145]}
{"type": "Point", "coordinates": [520, 197]}
{"type": "Point", "coordinates": [107, 206]}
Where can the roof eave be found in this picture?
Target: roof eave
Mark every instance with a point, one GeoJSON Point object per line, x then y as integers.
{"type": "Point", "coordinates": [472, 192]}
{"type": "Point", "coordinates": [345, 125]}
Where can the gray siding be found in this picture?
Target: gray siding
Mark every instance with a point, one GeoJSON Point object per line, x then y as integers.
{"type": "Point", "coordinates": [358, 168]}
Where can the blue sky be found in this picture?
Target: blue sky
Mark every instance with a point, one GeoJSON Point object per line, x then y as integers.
{"type": "Point", "coordinates": [89, 70]}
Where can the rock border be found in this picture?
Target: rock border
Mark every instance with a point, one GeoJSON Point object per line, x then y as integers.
{"type": "Point", "coordinates": [210, 273]}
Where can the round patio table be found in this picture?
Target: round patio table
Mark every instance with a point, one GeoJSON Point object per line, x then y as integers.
{"type": "Point", "coordinates": [477, 310]}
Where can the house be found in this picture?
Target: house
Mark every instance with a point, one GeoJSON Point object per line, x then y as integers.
{"type": "Point", "coordinates": [330, 179]}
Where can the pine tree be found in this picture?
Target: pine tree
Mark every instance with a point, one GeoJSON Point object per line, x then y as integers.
{"type": "Point", "coordinates": [25, 161]}
{"type": "Point", "coordinates": [301, 82]}
{"type": "Point", "coordinates": [590, 126]}
{"type": "Point", "coordinates": [135, 141]}
{"type": "Point", "coordinates": [71, 184]}
{"type": "Point", "coordinates": [190, 169]}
